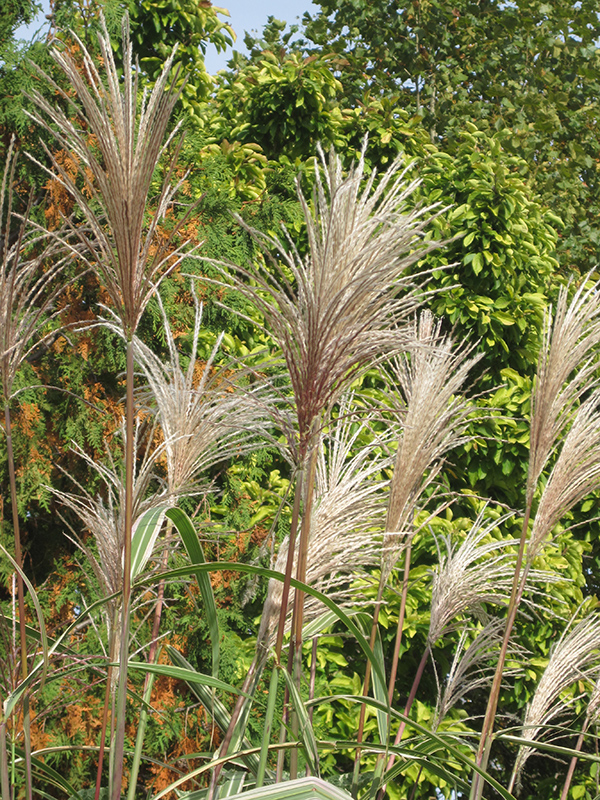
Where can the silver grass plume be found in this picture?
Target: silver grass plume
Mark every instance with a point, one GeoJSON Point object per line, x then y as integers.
{"type": "Point", "coordinates": [480, 570]}
{"type": "Point", "coordinates": [574, 657]}
{"type": "Point", "coordinates": [434, 414]}
{"type": "Point", "coordinates": [104, 517]}
{"type": "Point", "coordinates": [593, 709]}
{"type": "Point", "coordinates": [575, 474]}
{"type": "Point", "coordinates": [201, 412]}
{"type": "Point", "coordinates": [348, 515]}
{"type": "Point", "coordinates": [569, 339]}
{"type": "Point", "coordinates": [472, 666]}
{"type": "Point", "coordinates": [30, 264]}
{"type": "Point", "coordinates": [337, 312]}
{"type": "Point", "coordinates": [117, 148]}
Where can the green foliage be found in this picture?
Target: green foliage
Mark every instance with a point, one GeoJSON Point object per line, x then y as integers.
{"type": "Point", "coordinates": [281, 101]}
{"type": "Point", "coordinates": [159, 25]}
{"type": "Point", "coordinates": [13, 14]}
{"type": "Point", "coordinates": [502, 253]}
{"type": "Point", "coordinates": [528, 68]}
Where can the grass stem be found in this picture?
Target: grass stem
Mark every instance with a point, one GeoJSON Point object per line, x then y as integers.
{"type": "Point", "coordinates": [20, 592]}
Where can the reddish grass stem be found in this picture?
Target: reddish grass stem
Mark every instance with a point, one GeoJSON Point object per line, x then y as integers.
{"type": "Point", "coordinates": [518, 586]}
{"type": "Point", "coordinates": [20, 592]}
{"type": "Point", "coordinates": [124, 649]}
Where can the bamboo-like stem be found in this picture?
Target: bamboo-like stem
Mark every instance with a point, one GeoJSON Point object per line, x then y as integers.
{"type": "Point", "coordinates": [411, 696]}
{"type": "Point", "coordinates": [596, 750]}
{"type": "Point", "coordinates": [282, 737]}
{"type": "Point", "coordinates": [407, 708]}
{"type": "Point", "coordinates": [20, 592]}
{"type": "Point", "coordinates": [298, 612]}
{"type": "Point", "coordinates": [313, 675]}
{"type": "Point", "coordinates": [139, 739]}
{"type": "Point", "coordinates": [103, 728]}
{"type": "Point", "coordinates": [4, 780]}
{"type": "Point", "coordinates": [252, 674]}
{"type": "Point", "coordinates": [284, 723]}
{"type": "Point", "coordinates": [366, 685]}
{"type": "Point", "coordinates": [413, 791]}
{"type": "Point", "coordinates": [17, 538]}
{"type": "Point", "coordinates": [396, 656]}
{"type": "Point", "coordinates": [289, 567]}
{"type": "Point", "coordinates": [124, 650]}
{"type": "Point", "coordinates": [573, 764]}
{"type": "Point", "coordinates": [149, 680]}
{"type": "Point", "coordinates": [518, 586]}
{"type": "Point", "coordinates": [401, 615]}
{"type": "Point", "coordinates": [259, 658]}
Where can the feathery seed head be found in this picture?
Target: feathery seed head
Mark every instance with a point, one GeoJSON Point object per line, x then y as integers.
{"type": "Point", "coordinates": [431, 376]}
{"type": "Point", "coordinates": [338, 311]}
{"type": "Point", "coordinates": [472, 666]}
{"type": "Point", "coordinates": [570, 337]}
{"type": "Point", "coordinates": [347, 519]}
{"type": "Point", "coordinates": [119, 147]}
{"type": "Point", "coordinates": [575, 474]}
{"type": "Point", "coordinates": [201, 420]}
{"type": "Point", "coordinates": [479, 571]}
{"type": "Point", "coordinates": [575, 656]}
{"type": "Point", "coordinates": [105, 518]}
{"type": "Point", "coordinates": [30, 264]}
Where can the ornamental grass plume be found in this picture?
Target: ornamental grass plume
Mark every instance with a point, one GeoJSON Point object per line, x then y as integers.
{"type": "Point", "coordinates": [103, 514]}
{"type": "Point", "coordinates": [347, 519]}
{"type": "Point", "coordinates": [574, 657]}
{"type": "Point", "coordinates": [117, 145]}
{"type": "Point", "coordinates": [566, 368]}
{"type": "Point", "coordinates": [337, 311]}
{"type": "Point", "coordinates": [31, 264]}
{"type": "Point", "coordinates": [472, 666]}
{"type": "Point", "coordinates": [431, 374]}
{"type": "Point", "coordinates": [478, 571]}
{"type": "Point", "coordinates": [575, 474]}
{"type": "Point", "coordinates": [333, 314]}
{"type": "Point", "coordinates": [202, 411]}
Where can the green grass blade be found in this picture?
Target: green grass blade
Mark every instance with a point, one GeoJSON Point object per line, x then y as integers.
{"type": "Point", "coordinates": [144, 536]}
{"type": "Point", "coordinates": [306, 732]}
{"type": "Point", "coordinates": [213, 706]}
{"type": "Point", "coordinates": [38, 612]}
{"type": "Point", "coordinates": [441, 739]}
{"type": "Point", "coordinates": [264, 751]}
{"type": "Point", "coordinates": [181, 674]}
{"type": "Point", "coordinates": [548, 747]}
{"type": "Point", "coordinates": [189, 537]}
{"type": "Point", "coordinates": [51, 775]}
